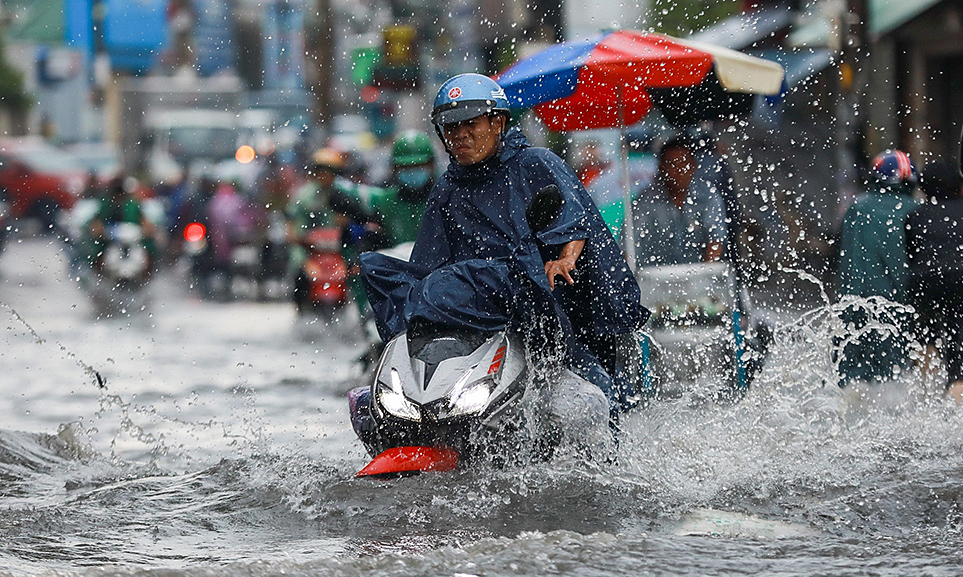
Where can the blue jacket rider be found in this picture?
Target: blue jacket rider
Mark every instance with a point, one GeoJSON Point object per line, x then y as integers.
{"type": "Point", "coordinates": [478, 265]}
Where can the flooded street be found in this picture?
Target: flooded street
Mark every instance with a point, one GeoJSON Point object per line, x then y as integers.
{"type": "Point", "coordinates": [221, 446]}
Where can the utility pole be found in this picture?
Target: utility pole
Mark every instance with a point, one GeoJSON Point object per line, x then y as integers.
{"type": "Point", "coordinates": [850, 109]}
{"type": "Point", "coordinates": [319, 46]}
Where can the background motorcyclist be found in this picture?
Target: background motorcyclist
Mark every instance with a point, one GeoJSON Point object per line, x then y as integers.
{"type": "Point", "coordinates": [873, 263]}
{"type": "Point", "coordinates": [119, 205]}
{"type": "Point", "coordinates": [325, 200]}
{"type": "Point", "coordinates": [233, 220]}
{"type": "Point", "coordinates": [401, 204]}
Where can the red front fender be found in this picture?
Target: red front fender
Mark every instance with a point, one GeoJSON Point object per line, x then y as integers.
{"type": "Point", "coordinates": [410, 459]}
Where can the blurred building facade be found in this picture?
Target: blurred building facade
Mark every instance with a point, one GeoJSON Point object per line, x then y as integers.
{"type": "Point", "coordinates": [381, 59]}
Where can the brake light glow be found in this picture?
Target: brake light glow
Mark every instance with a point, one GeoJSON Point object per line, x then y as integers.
{"type": "Point", "coordinates": [194, 232]}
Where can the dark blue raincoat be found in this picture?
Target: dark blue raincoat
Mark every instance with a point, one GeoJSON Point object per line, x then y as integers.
{"type": "Point", "coordinates": [476, 263]}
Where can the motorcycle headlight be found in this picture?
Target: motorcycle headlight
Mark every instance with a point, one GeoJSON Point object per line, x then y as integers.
{"type": "Point", "coordinates": [392, 399]}
{"type": "Point", "coordinates": [469, 398]}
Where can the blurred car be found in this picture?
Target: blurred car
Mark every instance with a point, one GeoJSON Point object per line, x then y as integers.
{"type": "Point", "coordinates": [39, 180]}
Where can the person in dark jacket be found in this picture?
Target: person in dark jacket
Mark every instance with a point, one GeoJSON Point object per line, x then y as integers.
{"type": "Point", "coordinates": [478, 263]}
{"type": "Point", "coordinates": [934, 242]}
{"type": "Point", "coordinates": [872, 263]}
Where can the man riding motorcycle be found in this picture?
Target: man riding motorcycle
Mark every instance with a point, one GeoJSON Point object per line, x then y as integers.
{"type": "Point", "coordinates": [325, 200]}
{"type": "Point", "coordinates": [479, 264]}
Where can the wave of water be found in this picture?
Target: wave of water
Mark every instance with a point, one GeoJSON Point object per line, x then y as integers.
{"type": "Point", "coordinates": [803, 477]}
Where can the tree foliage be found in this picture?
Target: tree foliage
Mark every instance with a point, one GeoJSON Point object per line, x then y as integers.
{"type": "Point", "coordinates": [683, 17]}
{"type": "Point", "coordinates": [13, 96]}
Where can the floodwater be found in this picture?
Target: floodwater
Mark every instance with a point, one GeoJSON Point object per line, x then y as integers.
{"type": "Point", "coordinates": [221, 446]}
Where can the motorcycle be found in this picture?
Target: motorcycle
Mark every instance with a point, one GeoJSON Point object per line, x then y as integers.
{"type": "Point", "coordinates": [325, 274]}
{"type": "Point", "coordinates": [443, 399]}
{"type": "Point", "coordinates": [121, 270]}
{"type": "Point", "coordinates": [201, 265]}
{"type": "Point", "coordinates": [431, 393]}
{"type": "Point", "coordinates": [244, 270]}
{"type": "Point", "coordinates": [439, 398]}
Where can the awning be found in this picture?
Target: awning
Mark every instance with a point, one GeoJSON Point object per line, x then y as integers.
{"type": "Point", "coordinates": [743, 30]}
{"type": "Point", "coordinates": [885, 16]}
{"type": "Point", "coordinates": [888, 15]}
{"type": "Point", "coordinates": [799, 64]}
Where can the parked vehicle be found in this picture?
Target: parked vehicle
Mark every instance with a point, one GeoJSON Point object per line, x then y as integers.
{"type": "Point", "coordinates": [39, 180]}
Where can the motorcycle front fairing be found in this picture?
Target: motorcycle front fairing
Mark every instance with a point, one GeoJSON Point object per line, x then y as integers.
{"type": "Point", "coordinates": [449, 376]}
{"type": "Point", "coordinates": [436, 391]}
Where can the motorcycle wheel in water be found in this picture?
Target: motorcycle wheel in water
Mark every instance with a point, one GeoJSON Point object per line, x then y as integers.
{"type": "Point", "coordinates": [121, 271]}
{"type": "Point", "coordinates": [324, 275]}
{"type": "Point", "coordinates": [443, 399]}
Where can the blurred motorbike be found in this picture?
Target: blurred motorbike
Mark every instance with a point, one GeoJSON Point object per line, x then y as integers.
{"type": "Point", "coordinates": [275, 258]}
{"type": "Point", "coordinates": [244, 267]}
{"type": "Point", "coordinates": [121, 270]}
{"type": "Point", "coordinates": [325, 274]}
{"type": "Point", "coordinates": [201, 265]}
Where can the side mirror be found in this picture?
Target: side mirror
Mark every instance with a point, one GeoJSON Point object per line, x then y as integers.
{"type": "Point", "coordinates": [545, 207]}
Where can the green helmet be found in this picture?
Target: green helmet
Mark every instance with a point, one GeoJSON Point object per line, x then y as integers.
{"type": "Point", "coordinates": [412, 147]}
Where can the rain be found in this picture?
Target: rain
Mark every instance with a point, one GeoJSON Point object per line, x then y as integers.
{"type": "Point", "coordinates": [476, 288]}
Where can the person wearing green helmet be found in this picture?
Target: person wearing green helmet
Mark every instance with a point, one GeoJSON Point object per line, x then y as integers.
{"type": "Point", "coordinates": [402, 202]}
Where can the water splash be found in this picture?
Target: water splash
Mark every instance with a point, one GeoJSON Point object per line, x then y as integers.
{"type": "Point", "coordinates": [92, 373]}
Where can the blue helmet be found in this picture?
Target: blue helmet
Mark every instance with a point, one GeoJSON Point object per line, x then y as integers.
{"type": "Point", "coordinates": [466, 96]}
{"type": "Point", "coordinates": [892, 167]}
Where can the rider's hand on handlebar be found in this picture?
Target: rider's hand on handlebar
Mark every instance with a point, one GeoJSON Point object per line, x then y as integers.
{"type": "Point", "coordinates": [565, 263]}
{"type": "Point", "coordinates": [562, 267]}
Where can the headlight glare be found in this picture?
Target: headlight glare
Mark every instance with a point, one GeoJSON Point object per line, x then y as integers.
{"type": "Point", "coordinates": [471, 398]}
{"type": "Point", "coordinates": [392, 399]}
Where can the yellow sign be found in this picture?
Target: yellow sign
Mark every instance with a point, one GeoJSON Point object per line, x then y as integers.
{"type": "Point", "coordinates": [846, 76]}
{"type": "Point", "coordinates": [401, 45]}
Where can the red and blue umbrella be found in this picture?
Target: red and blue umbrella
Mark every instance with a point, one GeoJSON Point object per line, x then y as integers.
{"type": "Point", "coordinates": [614, 79]}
